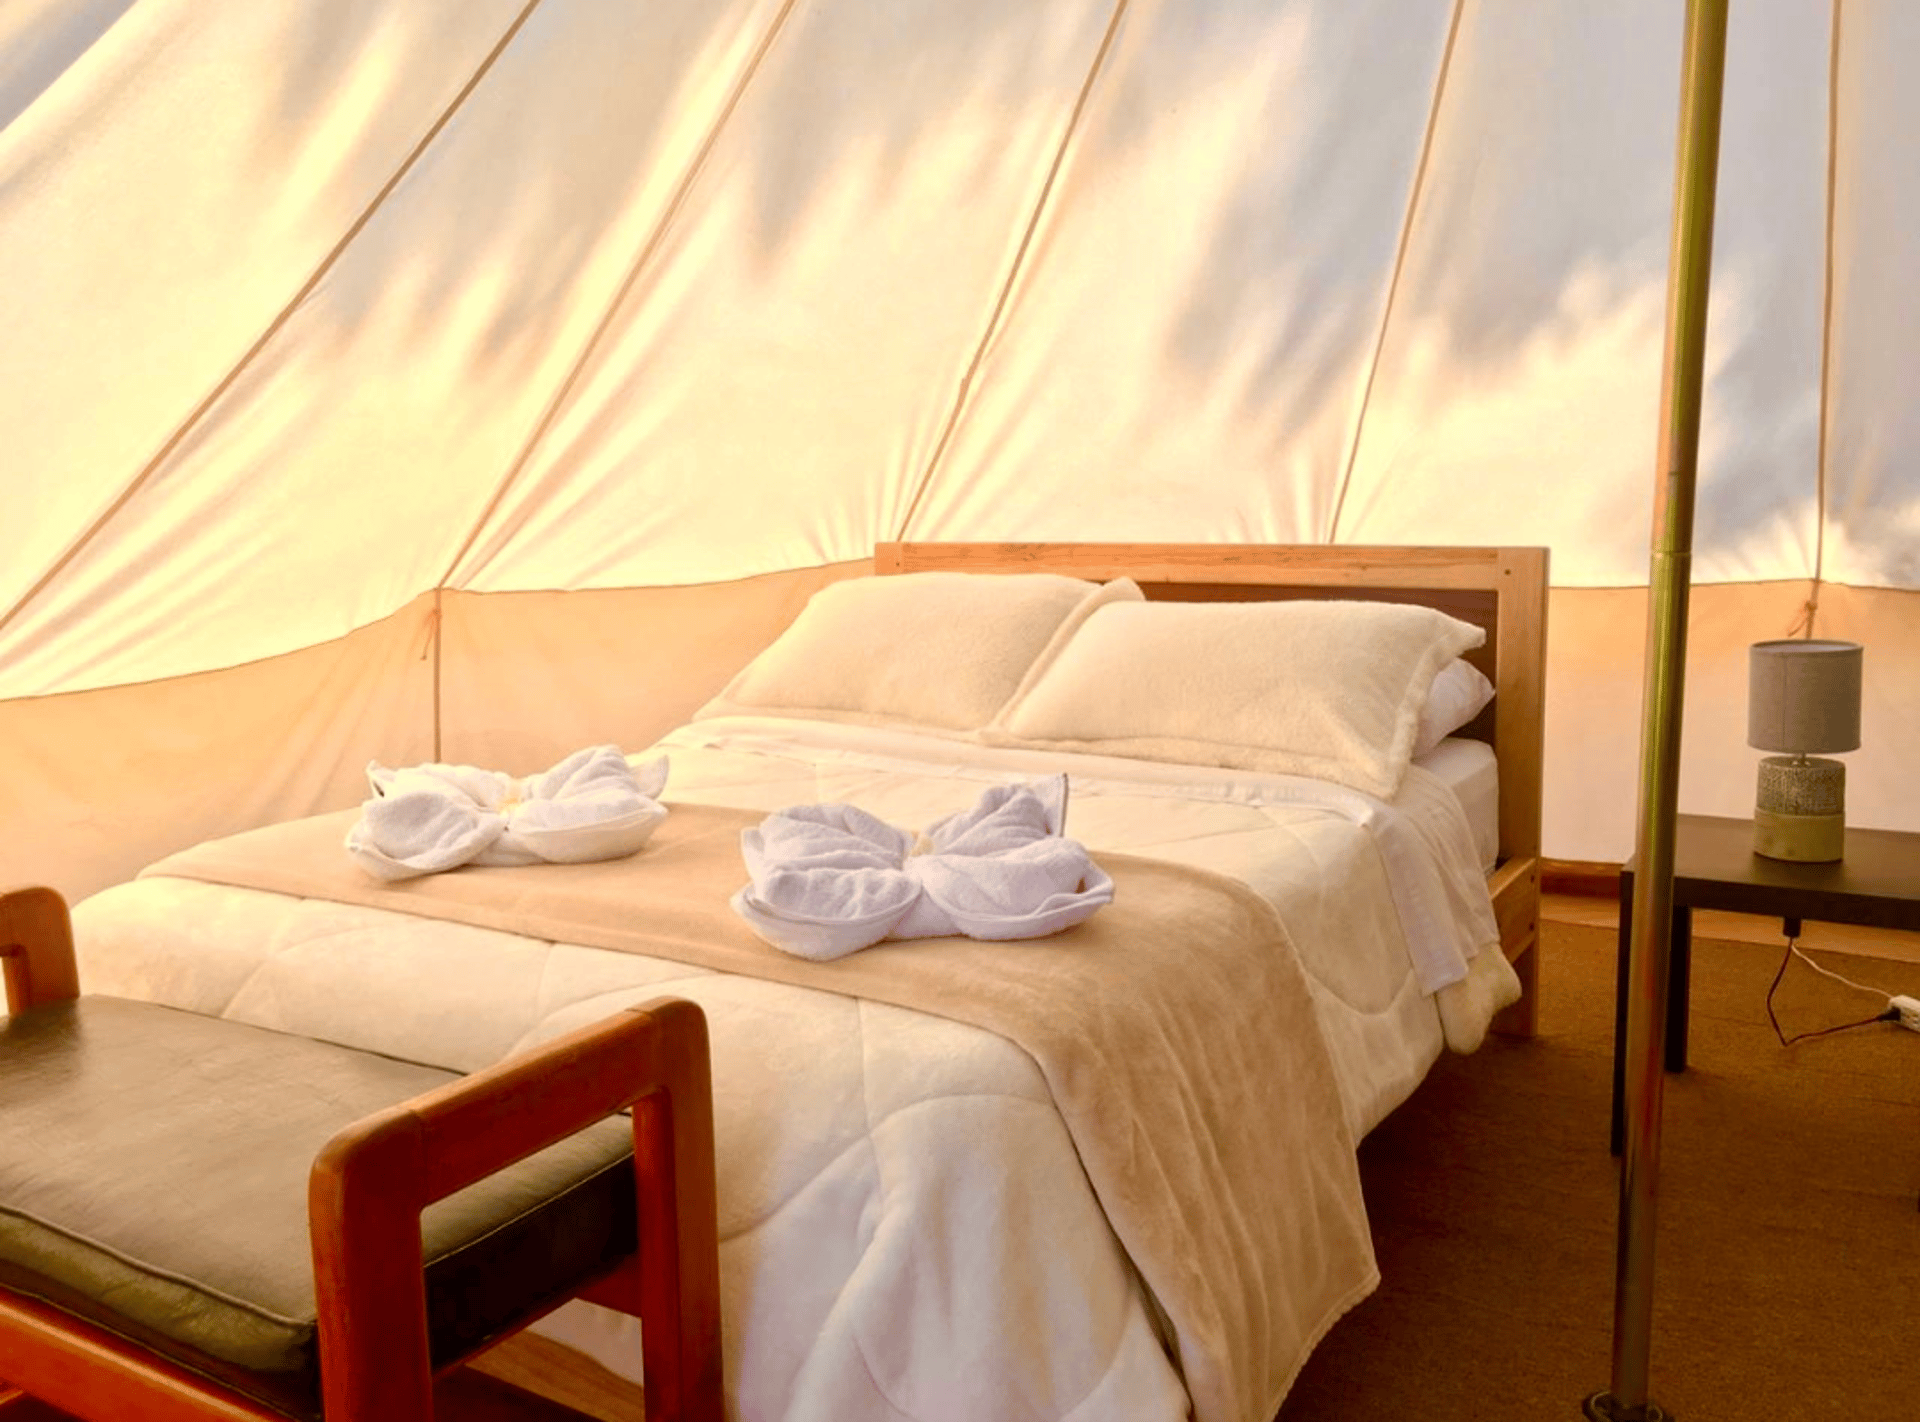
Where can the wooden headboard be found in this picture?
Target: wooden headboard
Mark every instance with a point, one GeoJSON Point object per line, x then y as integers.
{"type": "Point", "coordinates": [1503, 590]}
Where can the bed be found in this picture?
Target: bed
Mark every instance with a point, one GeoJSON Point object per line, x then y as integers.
{"type": "Point", "coordinates": [933, 1203]}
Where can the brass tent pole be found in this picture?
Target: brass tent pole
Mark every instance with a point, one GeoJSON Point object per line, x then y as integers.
{"type": "Point", "coordinates": [1703, 67]}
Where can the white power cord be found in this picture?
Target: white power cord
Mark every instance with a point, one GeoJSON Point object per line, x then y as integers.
{"type": "Point", "coordinates": [1793, 947]}
{"type": "Point", "coordinates": [1904, 1010]}
{"type": "Point", "coordinates": [1907, 1007]}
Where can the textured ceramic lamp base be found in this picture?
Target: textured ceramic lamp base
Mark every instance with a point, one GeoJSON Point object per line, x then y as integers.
{"type": "Point", "coordinates": [1800, 811]}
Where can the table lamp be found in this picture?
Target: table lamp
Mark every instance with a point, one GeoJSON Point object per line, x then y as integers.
{"type": "Point", "coordinates": [1803, 698]}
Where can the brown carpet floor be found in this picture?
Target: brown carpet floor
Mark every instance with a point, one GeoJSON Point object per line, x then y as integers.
{"type": "Point", "coordinates": [1787, 1266]}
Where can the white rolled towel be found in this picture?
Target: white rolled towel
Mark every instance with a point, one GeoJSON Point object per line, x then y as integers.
{"type": "Point", "coordinates": [426, 819]}
{"type": "Point", "coordinates": [828, 880]}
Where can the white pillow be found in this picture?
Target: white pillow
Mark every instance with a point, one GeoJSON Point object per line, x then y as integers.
{"type": "Point", "coordinates": [1460, 692]}
{"type": "Point", "coordinates": [1331, 690]}
{"type": "Point", "coordinates": [929, 651]}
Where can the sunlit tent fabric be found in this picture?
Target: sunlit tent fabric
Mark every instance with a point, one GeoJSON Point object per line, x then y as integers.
{"type": "Point", "coordinates": [384, 378]}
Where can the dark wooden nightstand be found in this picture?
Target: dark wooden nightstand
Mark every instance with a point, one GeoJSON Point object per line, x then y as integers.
{"type": "Point", "coordinates": [1876, 885]}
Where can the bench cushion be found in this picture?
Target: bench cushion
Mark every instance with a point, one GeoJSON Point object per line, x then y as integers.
{"type": "Point", "coordinates": [154, 1182]}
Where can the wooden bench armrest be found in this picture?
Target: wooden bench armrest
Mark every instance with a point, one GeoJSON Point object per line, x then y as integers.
{"type": "Point", "coordinates": [370, 1183]}
{"type": "Point", "coordinates": [36, 948]}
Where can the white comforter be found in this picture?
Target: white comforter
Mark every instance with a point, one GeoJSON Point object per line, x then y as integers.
{"type": "Point", "coordinates": [906, 1229]}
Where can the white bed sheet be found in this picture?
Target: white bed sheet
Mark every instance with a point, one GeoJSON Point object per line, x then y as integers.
{"type": "Point", "coordinates": [1469, 769]}
{"type": "Point", "coordinates": [906, 1229]}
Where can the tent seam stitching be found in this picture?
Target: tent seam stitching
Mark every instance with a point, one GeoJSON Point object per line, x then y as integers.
{"type": "Point", "coordinates": [1812, 610]}
{"type": "Point", "coordinates": [226, 383]}
{"type": "Point", "coordinates": [682, 191]}
{"type": "Point", "coordinates": [963, 394]}
{"type": "Point", "coordinates": [1414, 196]}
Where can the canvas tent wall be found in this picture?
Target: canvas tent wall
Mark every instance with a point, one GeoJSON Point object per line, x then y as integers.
{"type": "Point", "coordinates": [384, 375]}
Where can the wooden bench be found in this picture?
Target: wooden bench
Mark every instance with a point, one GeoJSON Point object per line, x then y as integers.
{"type": "Point", "coordinates": [160, 1259]}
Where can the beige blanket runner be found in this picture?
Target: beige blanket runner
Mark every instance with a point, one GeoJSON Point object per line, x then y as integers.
{"type": "Point", "coordinates": [1174, 1029]}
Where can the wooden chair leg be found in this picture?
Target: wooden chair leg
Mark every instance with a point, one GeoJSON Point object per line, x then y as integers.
{"type": "Point", "coordinates": [365, 1227]}
{"type": "Point", "coordinates": [16, 1406]}
{"type": "Point", "coordinates": [678, 1254]}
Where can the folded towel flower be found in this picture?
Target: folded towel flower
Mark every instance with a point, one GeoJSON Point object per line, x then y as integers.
{"type": "Point", "coordinates": [828, 880]}
{"type": "Point", "coordinates": [428, 818]}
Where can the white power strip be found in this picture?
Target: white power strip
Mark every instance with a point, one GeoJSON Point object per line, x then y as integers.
{"type": "Point", "coordinates": [1909, 1010]}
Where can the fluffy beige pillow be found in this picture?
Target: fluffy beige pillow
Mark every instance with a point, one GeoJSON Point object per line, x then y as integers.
{"type": "Point", "coordinates": [1332, 690]}
{"type": "Point", "coordinates": [929, 651]}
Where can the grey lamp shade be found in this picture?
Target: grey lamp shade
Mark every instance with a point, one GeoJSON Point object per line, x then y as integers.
{"type": "Point", "coordinates": [1803, 696]}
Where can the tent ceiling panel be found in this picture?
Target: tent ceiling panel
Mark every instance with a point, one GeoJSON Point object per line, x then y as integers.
{"type": "Point", "coordinates": [1519, 379]}
{"type": "Point", "coordinates": [312, 306]}
{"type": "Point", "coordinates": [160, 216]}
{"type": "Point", "coordinates": [1519, 389]}
{"type": "Point", "coordinates": [40, 39]}
{"type": "Point", "coordinates": [337, 476]}
{"type": "Point", "coordinates": [1757, 517]}
{"type": "Point", "coordinates": [1186, 348]}
{"type": "Point", "coordinates": [778, 379]}
{"type": "Point", "coordinates": [1873, 445]}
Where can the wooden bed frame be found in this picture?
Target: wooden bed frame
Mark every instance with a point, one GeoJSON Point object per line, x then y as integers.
{"type": "Point", "coordinates": [1503, 590]}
